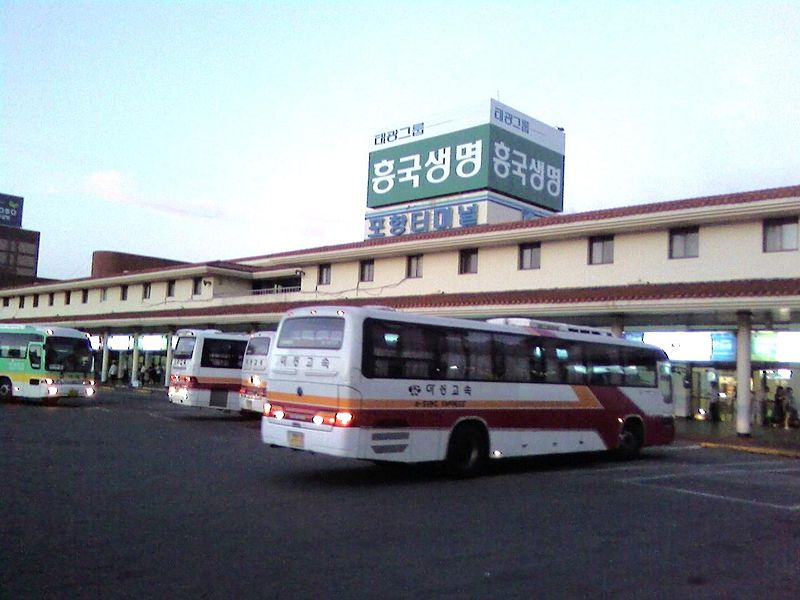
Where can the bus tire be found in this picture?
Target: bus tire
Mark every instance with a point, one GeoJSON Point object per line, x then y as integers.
{"type": "Point", "coordinates": [6, 390]}
{"type": "Point", "coordinates": [630, 440]}
{"type": "Point", "coordinates": [467, 451]}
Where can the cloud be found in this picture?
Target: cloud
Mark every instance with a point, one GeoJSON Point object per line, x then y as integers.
{"type": "Point", "coordinates": [120, 188]}
{"type": "Point", "coordinates": [113, 186]}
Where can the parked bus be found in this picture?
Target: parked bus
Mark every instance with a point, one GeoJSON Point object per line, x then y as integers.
{"type": "Point", "coordinates": [45, 362]}
{"type": "Point", "coordinates": [254, 372]}
{"type": "Point", "coordinates": [375, 384]}
{"type": "Point", "coordinates": [207, 368]}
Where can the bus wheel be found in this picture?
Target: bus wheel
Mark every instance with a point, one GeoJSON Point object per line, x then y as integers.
{"type": "Point", "coordinates": [467, 451]}
{"type": "Point", "coordinates": [630, 440]}
{"type": "Point", "coordinates": [6, 390]}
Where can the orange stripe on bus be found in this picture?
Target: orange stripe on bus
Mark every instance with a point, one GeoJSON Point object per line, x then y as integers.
{"type": "Point", "coordinates": [586, 400]}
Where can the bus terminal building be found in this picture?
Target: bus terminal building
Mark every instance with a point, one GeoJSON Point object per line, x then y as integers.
{"type": "Point", "coordinates": [714, 280]}
{"type": "Point", "coordinates": [468, 222]}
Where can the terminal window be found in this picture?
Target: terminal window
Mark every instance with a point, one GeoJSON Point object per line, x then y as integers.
{"type": "Point", "coordinates": [468, 261]}
{"type": "Point", "coordinates": [324, 274]}
{"type": "Point", "coordinates": [780, 234]}
{"type": "Point", "coordinates": [414, 266]}
{"type": "Point", "coordinates": [530, 256]}
{"type": "Point", "coordinates": [684, 243]}
{"type": "Point", "coordinates": [367, 270]}
{"type": "Point", "coordinates": [601, 250]}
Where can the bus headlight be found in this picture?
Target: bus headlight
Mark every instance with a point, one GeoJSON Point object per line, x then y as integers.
{"type": "Point", "coordinates": [89, 392]}
{"type": "Point", "coordinates": [52, 390]}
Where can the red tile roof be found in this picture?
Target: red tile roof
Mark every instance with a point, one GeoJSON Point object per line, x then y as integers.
{"type": "Point", "coordinates": [595, 215]}
{"type": "Point", "coordinates": [749, 288]}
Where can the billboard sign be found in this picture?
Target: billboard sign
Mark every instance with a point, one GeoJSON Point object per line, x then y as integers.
{"type": "Point", "coordinates": [504, 151]}
{"type": "Point", "coordinates": [10, 210]}
{"type": "Point", "coordinates": [720, 346]}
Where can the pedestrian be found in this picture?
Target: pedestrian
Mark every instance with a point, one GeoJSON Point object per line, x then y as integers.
{"type": "Point", "coordinates": [112, 373]}
{"type": "Point", "coordinates": [779, 410]}
{"type": "Point", "coordinates": [713, 402]}
{"type": "Point", "coordinates": [791, 408]}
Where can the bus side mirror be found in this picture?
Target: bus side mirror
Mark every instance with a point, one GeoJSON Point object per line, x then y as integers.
{"type": "Point", "coordinates": [35, 352]}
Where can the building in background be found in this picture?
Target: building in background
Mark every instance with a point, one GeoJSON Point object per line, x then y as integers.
{"type": "Point", "coordinates": [19, 248]}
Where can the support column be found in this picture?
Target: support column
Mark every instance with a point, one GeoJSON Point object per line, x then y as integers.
{"type": "Point", "coordinates": [168, 366]}
{"type": "Point", "coordinates": [744, 371]}
{"type": "Point", "coordinates": [104, 369]}
{"type": "Point", "coordinates": [135, 366]}
{"type": "Point", "coordinates": [618, 325]}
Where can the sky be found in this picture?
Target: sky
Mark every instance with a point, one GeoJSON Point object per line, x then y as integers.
{"type": "Point", "coordinates": [201, 131]}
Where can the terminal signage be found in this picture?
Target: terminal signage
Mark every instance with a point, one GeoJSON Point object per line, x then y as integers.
{"type": "Point", "coordinates": [705, 346]}
{"type": "Point", "coordinates": [423, 219]}
{"type": "Point", "coordinates": [10, 210]}
{"type": "Point", "coordinates": [507, 152]}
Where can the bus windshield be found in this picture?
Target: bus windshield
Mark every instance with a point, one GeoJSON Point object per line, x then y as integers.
{"type": "Point", "coordinates": [258, 346]}
{"type": "Point", "coordinates": [68, 354]}
{"type": "Point", "coordinates": [312, 333]}
{"type": "Point", "coordinates": [185, 347]}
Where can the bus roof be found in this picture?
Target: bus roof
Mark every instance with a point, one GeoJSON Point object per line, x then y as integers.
{"type": "Point", "coordinates": [211, 333]}
{"type": "Point", "coordinates": [509, 325]}
{"type": "Point", "coordinates": [43, 329]}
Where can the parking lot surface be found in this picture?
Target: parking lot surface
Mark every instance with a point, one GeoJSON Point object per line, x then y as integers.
{"type": "Point", "coordinates": [130, 496]}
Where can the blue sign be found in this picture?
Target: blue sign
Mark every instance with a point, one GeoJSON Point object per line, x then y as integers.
{"type": "Point", "coordinates": [10, 210]}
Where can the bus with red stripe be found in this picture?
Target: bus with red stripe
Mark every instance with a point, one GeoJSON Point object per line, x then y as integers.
{"type": "Point", "coordinates": [207, 368]}
{"type": "Point", "coordinates": [371, 383]}
{"type": "Point", "coordinates": [253, 391]}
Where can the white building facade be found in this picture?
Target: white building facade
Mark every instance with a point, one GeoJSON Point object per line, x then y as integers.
{"type": "Point", "coordinates": [726, 263]}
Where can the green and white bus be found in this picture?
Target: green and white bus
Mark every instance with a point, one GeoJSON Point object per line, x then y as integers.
{"type": "Point", "coordinates": [44, 362]}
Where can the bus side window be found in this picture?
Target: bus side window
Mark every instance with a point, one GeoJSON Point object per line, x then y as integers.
{"type": "Point", "coordinates": [35, 357]}
{"type": "Point", "coordinates": [571, 364]}
{"type": "Point", "coordinates": [510, 358]}
{"type": "Point", "coordinates": [452, 356]}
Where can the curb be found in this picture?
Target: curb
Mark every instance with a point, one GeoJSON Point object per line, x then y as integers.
{"type": "Point", "coordinates": [129, 389]}
{"type": "Point", "coordinates": [753, 449]}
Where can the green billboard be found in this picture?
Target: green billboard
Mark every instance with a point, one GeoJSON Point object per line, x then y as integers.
{"type": "Point", "coordinates": [477, 158]}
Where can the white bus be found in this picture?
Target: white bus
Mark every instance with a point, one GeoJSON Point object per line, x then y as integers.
{"type": "Point", "coordinates": [45, 362]}
{"type": "Point", "coordinates": [254, 371]}
{"type": "Point", "coordinates": [207, 368]}
{"type": "Point", "coordinates": [375, 384]}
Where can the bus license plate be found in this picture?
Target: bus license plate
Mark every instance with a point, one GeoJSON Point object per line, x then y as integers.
{"type": "Point", "coordinates": [296, 439]}
{"type": "Point", "coordinates": [73, 393]}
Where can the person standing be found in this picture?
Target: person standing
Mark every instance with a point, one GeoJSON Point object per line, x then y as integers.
{"type": "Point", "coordinates": [112, 373]}
{"type": "Point", "coordinates": [779, 410]}
{"type": "Point", "coordinates": [713, 402]}
{"type": "Point", "coordinates": [791, 408]}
